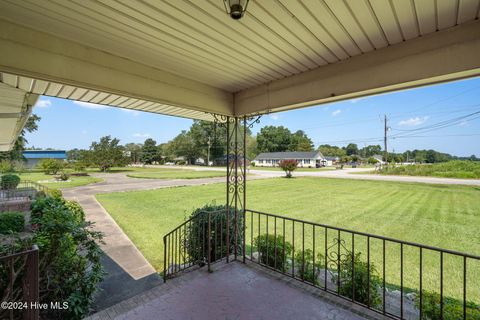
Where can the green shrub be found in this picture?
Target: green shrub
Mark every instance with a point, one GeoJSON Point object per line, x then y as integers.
{"type": "Point", "coordinates": [452, 308]}
{"type": "Point", "coordinates": [360, 280]}
{"type": "Point", "coordinates": [70, 268]}
{"type": "Point", "coordinates": [6, 166]}
{"type": "Point", "coordinates": [55, 193]}
{"type": "Point", "coordinates": [197, 233]}
{"type": "Point", "coordinates": [11, 222]}
{"type": "Point", "coordinates": [273, 251]}
{"type": "Point", "coordinates": [305, 266]}
{"type": "Point", "coordinates": [50, 166]}
{"type": "Point", "coordinates": [79, 166]}
{"type": "Point", "coordinates": [76, 209]}
{"type": "Point", "coordinates": [63, 176]}
{"type": "Point", "coordinates": [9, 181]}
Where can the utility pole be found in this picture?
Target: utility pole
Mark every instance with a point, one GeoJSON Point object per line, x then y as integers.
{"type": "Point", "coordinates": [385, 140]}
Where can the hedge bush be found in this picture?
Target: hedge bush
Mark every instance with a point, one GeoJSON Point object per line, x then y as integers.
{"type": "Point", "coordinates": [306, 267]}
{"type": "Point", "coordinates": [11, 222]}
{"type": "Point", "coordinates": [9, 181]}
{"type": "Point", "coordinates": [197, 236]}
{"type": "Point", "coordinates": [452, 308]}
{"type": "Point", "coordinates": [266, 244]}
{"type": "Point", "coordinates": [362, 293]}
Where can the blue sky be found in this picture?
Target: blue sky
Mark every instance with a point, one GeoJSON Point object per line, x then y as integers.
{"type": "Point", "coordinates": [67, 124]}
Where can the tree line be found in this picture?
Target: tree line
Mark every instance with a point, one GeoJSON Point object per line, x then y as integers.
{"type": "Point", "coordinates": [206, 140]}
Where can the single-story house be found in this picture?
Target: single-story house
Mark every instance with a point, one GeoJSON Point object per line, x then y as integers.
{"type": "Point", "coordinates": [313, 159]}
{"type": "Point", "coordinates": [332, 161]}
{"type": "Point", "coordinates": [33, 157]}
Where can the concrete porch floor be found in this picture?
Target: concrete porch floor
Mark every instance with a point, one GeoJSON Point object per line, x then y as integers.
{"type": "Point", "coordinates": [234, 291]}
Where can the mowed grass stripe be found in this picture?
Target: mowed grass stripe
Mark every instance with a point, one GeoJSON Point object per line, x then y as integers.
{"type": "Point", "coordinates": [437, 215]}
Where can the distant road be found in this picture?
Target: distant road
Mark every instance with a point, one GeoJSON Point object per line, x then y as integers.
{"type": "Point", "coordinates": [344, 174]}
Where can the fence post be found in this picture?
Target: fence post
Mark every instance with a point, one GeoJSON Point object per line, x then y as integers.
{"type": "Point", "coordinates": [209, 253]}
{"type": "Point", "coordinates": [31, 294]}
{"type": "Point", "coordinates": [164, 259]}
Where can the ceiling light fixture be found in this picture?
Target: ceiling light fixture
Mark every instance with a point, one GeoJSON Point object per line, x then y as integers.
{"type": "Point", "coordinates": [235, 8]}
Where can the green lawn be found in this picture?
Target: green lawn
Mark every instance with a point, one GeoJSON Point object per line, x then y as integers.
{"type": "Point", "coordinates": [162, 173]}
{"type": "Point", "coordinates": [47, 180]}
{"type": "Point", "coordinates": [436, 215]}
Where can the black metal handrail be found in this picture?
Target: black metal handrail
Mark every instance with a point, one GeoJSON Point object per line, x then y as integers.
{"type": "Point", "coordinates": [330, 258]}
{"type": "Point", "coordinates": [20, 291]}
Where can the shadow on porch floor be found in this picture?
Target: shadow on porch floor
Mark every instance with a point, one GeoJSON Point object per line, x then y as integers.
{"type": "Point", "coordinates": [234, 291]}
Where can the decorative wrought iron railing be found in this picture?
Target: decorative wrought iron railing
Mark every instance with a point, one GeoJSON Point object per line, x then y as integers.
{"type": "Point", "coordinates": [24, 190]}
{"type": "Point", "coordinates": [19, 287]}
{"type": "Point", "coordinates": [400, 279]}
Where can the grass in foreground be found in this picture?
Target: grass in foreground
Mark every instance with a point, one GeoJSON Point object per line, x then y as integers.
{"type": "Point", "coordinates": [47, 180]}
{"type": "Point", "coordinates": [436, 215]}
{"type": "Point", "coordinates": [174, 174]}
{"type": "Point", "coordinates": [452, 169]}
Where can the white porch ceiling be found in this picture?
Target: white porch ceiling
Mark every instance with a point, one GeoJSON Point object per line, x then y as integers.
{"type": "Point", "coordinates": [188, 58]}
{"type": "Point", "coordinates": [276, 38]}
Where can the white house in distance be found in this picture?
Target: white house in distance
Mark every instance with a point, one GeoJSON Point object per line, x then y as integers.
{"type": "Point", "coordinates": [313, 159]}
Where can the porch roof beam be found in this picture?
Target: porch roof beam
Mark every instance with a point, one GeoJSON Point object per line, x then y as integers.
{"type": "Point", "coordinates": [438, 57]}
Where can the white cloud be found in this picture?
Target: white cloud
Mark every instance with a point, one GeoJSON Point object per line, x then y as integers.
{"type": "Point", "coordinates": [336, 112]}
{"type": "Point", "coordinates": [43, 103]}
{"type": "Point", "coordinates": [464, 123]}
{"type": "Point", "coordinates": [275, 117]}
{"type": "Point", "coordinates": [355, 100]}
{"type": "Point", "coordinates": [132, 112]}
{"type": "Point", "coordinates": [413, 121]}
{"type": "Point", "coordinates": [89, 105]}
{"type": "Point", "coordinates": [141, 135]}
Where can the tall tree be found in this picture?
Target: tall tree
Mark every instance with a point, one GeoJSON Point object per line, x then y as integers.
{"type": "Point", "coordinates": [351, 149]}
{"type": "Point", "coordinates": [331, 151]}
{"type": "Point", "coordinates": [106, 153]}
{"type": "Point", "coordinates": [184, 146]}
{"type": "Point", "coordinates": [274, 139]}
{"type": "Point", "coordinates": [149, 152]}
{"type": "Point", "coordinates": [370, 150]}
{"type": "Point", "coordinates": [301, 142]}
{"type": "Point", "coordinates": [134, 150]}
{"type": "Point", "coordinates": [16, 154]}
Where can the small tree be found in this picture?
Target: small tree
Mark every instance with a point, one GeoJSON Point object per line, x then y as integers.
{"type": "Point", "coordinates": [50, 166]}
{"type": "Point", "coordinates": [288, 166]}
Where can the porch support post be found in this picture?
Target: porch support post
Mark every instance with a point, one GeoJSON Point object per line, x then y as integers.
{"type": "Point", "coordinates": [236, 180]}
{"type": "Point", "coordinates": [236, 188]}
